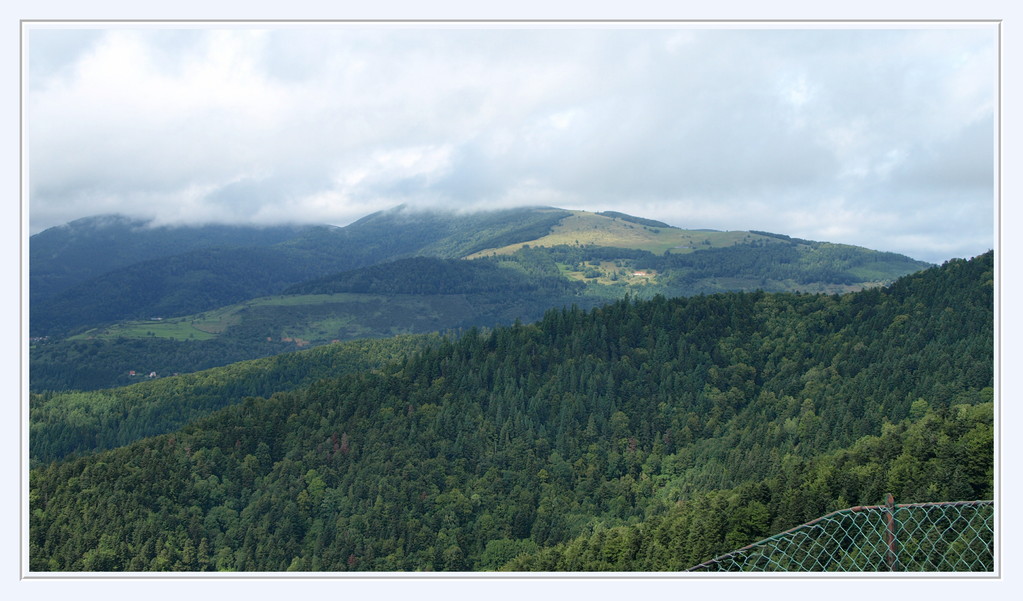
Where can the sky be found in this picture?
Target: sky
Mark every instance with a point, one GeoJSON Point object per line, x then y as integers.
{"type": "Point", "coordinates": [880, 137]}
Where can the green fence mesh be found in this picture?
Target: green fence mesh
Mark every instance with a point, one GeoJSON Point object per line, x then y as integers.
{"type": "Point", "coordinates": [917, 537]}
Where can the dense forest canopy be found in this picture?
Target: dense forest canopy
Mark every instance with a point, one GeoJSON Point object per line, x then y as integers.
{"type": "Point", "coordinates": [80, 422]}
{"type": "Point", "coordinates": [645, 434]}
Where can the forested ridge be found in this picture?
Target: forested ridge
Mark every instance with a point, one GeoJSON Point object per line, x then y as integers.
{"type": "Point", "coordinates": [205, 276]}
{"type": "Point", "coordinates": [77, 364]}
{"type": "Point", "coordinates": [645, 434]}
{"type": "Point", "coordinates": [97, 282]}
{"type": "Point", "coordinates": [415, 295]}
{"type": "Point", "coordinates": [75, 252]}
{"type": "Point", "coordinates": [429, 275]}
{"type": "Point", "coordinates": [80, 422]}
{"type": "Point", "coordinates": [177, 285]}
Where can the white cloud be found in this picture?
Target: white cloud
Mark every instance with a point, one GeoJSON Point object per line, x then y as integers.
{"type": "Point", "coordinates": [318, 124]}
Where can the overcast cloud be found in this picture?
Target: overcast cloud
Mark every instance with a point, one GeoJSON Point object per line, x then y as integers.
{"type": "Point", "coordinates": [878, 137]}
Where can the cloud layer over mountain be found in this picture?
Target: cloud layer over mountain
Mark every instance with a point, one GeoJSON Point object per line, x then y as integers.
{"type": "Point", "coordinates": [879, 137]}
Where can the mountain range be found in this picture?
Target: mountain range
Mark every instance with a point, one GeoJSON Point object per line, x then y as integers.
{"type": "Point", "coordinates": [110, 295]}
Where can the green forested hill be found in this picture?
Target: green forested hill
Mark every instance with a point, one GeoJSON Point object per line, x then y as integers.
{"type": "Point", "coordinates": [945, 454]}
{"type": "Point", "coordinates": [408, 296]}
{"type": "Point", "coordinates": [423, 294]}
{"type": "Point", "coordinates": [177, 285]}
{"type": "Point", "coordinates": [66, 255]}
{"type": "Point", "coordinates": [566, 444]}
{"type": "Point", "coordinates": [427, 275]}
{"type": "Point", "coordinates": [84, 364]}
{"type": "Point", "coordinates": [97, 285]}
{"type": "Point", "coordinates": [82, 422]}
{"type": "Point", "coordinates": [197, 279]}
{"type": "Point", "coordinates": [108, 270]}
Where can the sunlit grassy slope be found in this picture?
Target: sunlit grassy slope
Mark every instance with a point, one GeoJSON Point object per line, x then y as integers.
{"type": "Point", "coordinates": [586, 228]}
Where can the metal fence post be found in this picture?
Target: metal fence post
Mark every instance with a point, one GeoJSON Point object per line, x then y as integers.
{"type": "Point", "coordinates": [893, 564]}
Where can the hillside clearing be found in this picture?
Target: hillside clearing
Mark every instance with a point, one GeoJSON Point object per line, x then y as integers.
{"type": "Point", "coordinates": [583, 228]}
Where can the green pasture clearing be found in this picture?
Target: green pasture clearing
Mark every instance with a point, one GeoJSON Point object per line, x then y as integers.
{"type": "Point", "coordinates": [285, 300]}
{"type": "Point", "coordinates": [169, 328]}
{"type": "Point", "coordinates": [611, 274]}
{"type": "Point", "coordinates": [306, 319]}
{"type": "Point", "coordinates": [583, 228]}
{"type": "Point", "coordinates": [210, 324]}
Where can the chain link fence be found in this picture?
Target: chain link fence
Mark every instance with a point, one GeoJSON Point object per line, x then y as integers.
{"type": "Point", "coordinates": [916, 537]}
